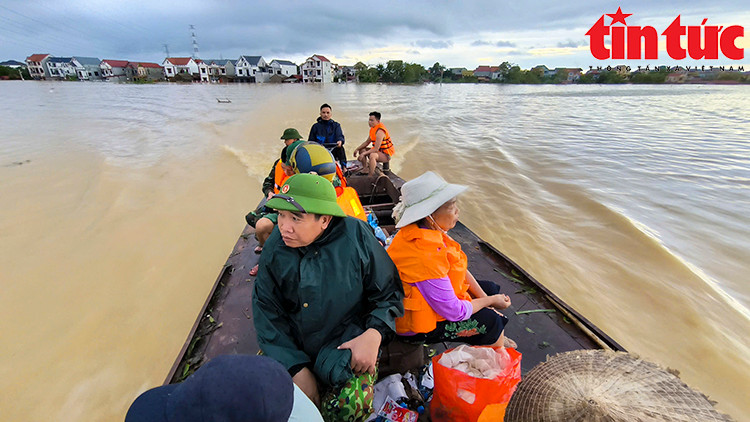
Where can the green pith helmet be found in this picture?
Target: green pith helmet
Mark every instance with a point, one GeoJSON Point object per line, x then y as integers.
{"type": "Point", "coordinates": [291, 133]}
{"type": "Point", "coordinates": [308, 193]}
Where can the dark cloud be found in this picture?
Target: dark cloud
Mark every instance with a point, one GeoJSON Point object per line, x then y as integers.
{"type": "Point", "coordinates": [137, 30]}
{"type": "Point", "coordinates": [571, 44]}
{"type": "Point", "coordinates": [433, 44]}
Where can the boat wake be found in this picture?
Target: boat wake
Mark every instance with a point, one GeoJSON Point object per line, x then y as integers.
{"type": "Point", "coordinates": [709, 281]}
{"type": "Point", "coordinates": [256, 168]}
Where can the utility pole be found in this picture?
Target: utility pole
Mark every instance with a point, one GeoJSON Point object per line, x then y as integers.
{"type": "Point", "coordinates": [166, 49]}
{"type": "Point", "coordinates": [195, 42]}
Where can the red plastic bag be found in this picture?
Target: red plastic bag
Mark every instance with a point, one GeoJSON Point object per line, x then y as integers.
{"type": "Point", "coordinates": [461, 397]}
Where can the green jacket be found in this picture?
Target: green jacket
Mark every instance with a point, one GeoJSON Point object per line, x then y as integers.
{"type": "Point", "coordinates": [309, 300]}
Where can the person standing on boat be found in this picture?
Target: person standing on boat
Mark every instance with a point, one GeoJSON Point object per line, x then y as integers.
{"type": "Point", "coordinates": [325, 299]}
{"type": "Point", "coordinates": [443, 301]}
{"type": "Point", "coordinates": [328, 133]}
{"type": "Point", "coordinates": [378, 146]}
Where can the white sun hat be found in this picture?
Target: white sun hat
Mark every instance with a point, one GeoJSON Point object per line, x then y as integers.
{"type": "Point", "coordinates": [422, 196]}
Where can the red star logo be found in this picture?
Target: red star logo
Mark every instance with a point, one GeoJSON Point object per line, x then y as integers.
{"type": "Point", "coordinates": [618, 17]}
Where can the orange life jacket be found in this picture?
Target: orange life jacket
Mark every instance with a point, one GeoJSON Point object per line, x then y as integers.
{"type": "Point", "coordinates": [423, 254]}
{"type": "Point", "coordinates": [386, 146]}
{"type": "Point", "coordinates": [348, 200]}
{"type": "Point", "coordinates": [340, 174]}
{"type": "Point", "coordinates": [279, 177]}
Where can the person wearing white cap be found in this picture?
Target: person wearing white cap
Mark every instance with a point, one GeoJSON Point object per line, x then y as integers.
{"type": "Point", "coordinates": [443, 301]}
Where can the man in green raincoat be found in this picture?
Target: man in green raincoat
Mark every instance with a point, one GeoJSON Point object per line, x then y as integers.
{"type": "Point", "coordinates": [326, 298]}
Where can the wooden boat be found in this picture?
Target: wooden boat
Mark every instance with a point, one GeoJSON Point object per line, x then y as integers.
{"type": "Point", "coordinates": [540, 322]}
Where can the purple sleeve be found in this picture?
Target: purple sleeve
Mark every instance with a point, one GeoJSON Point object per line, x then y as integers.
{"type": "Point", "coordinates": [439, 294]}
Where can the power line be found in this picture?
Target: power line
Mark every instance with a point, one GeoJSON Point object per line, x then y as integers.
{"type": "Point", "coordinates": [73, 40]}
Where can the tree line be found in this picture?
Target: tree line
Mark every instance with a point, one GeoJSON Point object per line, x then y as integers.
{"type": "Point", "coordinates": [10, 73]}
{"type": "Point", "coordinates": [398, 71]}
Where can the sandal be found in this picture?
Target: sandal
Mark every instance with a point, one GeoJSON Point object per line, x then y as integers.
{"type": "Point", "coordinates": [254, 271]}
{"type": "Point", "coordinates": [258, 249]}
{"type": "Point", "coordinates": [507, 343]}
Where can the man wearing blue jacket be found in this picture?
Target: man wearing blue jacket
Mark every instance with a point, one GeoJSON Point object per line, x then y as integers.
{"type": "Point", "coordinates": [328, 133]}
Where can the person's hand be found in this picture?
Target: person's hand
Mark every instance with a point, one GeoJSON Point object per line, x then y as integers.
{"type": "Point", "coordinates": [500, 301]}
{"type": "Point", "coordinates": [364, 349]}
{"type": "Point", "coordinates": [338, 144]}
{"type": "Point", "coordinates": [356, 152]}
{"type": "Point", "coordinates": [270, 194]}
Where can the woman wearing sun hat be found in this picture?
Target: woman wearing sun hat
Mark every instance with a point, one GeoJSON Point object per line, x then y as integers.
{"type": "Point", "coordinates": [443, 301]}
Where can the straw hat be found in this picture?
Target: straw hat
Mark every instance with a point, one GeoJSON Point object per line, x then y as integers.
{"type": "Point", "coordinates": [420, 197]}
{"type": "Point", "coordinates": [602, 385]}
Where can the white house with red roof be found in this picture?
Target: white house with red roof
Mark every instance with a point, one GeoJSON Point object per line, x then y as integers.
{"type": "Point", "coordinates": [37, 65]}
{"type": "Point", "coordinates": [317, 68]}
{"type": "Point", "coordinates": [173, 66]}
{"type": "Point", "coordinates": [116, 70]}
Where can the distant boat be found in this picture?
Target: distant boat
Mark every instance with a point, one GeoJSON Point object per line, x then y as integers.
{"type": "Point", "coordinates": [223, 100]}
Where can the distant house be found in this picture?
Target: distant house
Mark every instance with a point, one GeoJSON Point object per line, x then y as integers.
{"type": "Point", "coordinates": [116, 70]}
{"type": "Point", "coordinates": [252, 69]}
{"type": "Point", "coordinates": [574, 74]}
{"type": "Point", "coordinates": [87, 68]}
{"type": "Point", "coordinates": [348, 73]}
{"type": "Point", "coordinates": [37, 65]}
{"type": "Point", "coordinates": [317, 68]}
{"type": "Point", "coordinates": [203, 69]}
{"type": "Point", "coordinates": [12, 63]}
{"type": "Point", "coordinates": [174, 66]}
{"type": "Point", "coordinates": [458, 70]}
{"type": "Point", "coordinates": [60, 67]}
{"type": "Point", "coordinates": [149, 71]}
{"type": "Point", "coordinates": [221, 69]}
{"type": "Point", "coordinates": [485, 72]}
{"type": "Point", "coordinates": [594, 72]}
{"type": "Point", "coordinates": [283, 67]}
{"type": "Point", "coordinates": [543, 70]}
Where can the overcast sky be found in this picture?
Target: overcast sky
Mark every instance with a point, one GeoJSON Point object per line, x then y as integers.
{"type": "Point", "coordinates": [456, 34]}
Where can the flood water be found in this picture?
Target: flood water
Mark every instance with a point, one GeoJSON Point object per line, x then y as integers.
{"type": "Point", "coordinates": [120, 203]}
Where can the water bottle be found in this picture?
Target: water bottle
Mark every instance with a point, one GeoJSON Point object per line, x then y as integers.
{"type": "Point", "coordinates": [372, 219]}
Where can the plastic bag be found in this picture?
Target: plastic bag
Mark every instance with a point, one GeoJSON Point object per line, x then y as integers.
{"type": "Point", "coordinates": [461, 397]}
